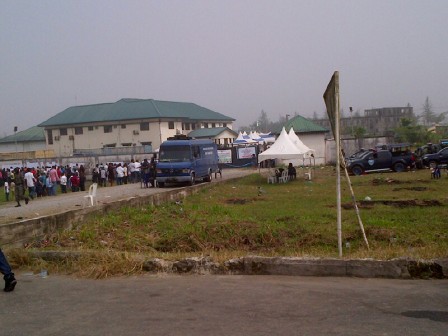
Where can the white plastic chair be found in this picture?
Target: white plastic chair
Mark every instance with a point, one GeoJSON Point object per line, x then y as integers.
{"type": "Point", "coordinates": [91, 197]}
{"type": "Point", "coordinates": [284, 178]}
{"type": "Point", "coordinates": [272, 179]}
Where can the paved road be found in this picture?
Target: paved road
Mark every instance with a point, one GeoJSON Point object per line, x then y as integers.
{"type": "Point", "coordinates": [224, 305]}
{"type": "Point", "coordinates": [63, 202]}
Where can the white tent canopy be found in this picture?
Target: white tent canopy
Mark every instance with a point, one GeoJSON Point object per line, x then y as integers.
{"type": "Point", "coordinates": [240, 140]}
{"type": "Point", "coordinates": [283, 148]}
{"type": "Point", "coordinates": [299, 144]}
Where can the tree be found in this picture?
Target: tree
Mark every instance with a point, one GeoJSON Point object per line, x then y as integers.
{"type": "Point", "coordinates": [410, 132]}
{"type": "Point", "coordinates": [428, 114]}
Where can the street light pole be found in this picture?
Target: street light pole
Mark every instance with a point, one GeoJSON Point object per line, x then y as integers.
{"type": "Point", "coordinates": [15, 139]}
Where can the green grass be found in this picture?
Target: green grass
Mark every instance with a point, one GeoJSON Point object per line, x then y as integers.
{"type": "Point", "coordinates": [298, 218]}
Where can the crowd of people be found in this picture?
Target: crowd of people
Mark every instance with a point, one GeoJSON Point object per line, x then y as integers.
{"type": "Point", "coordinates": [23, 184]}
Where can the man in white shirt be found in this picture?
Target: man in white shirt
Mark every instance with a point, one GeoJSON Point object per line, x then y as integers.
{"type": "Point", "coordinates": [131, 170]}
{"type": "Point", "coordinates": [29, 179]}
{"type": "Point", "coordinates": [137, 171]}
{"type": "Point", "coordinates": [120, 174]}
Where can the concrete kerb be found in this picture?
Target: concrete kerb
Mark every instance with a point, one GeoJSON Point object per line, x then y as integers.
{"type": "Point", "coordinates": [256, 265]}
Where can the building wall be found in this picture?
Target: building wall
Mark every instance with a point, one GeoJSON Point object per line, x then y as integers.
{"type": "Point", "coordinates": [22, 146]}
{"type": "Point", "coordinates": [121, 134]}
{"type": "Point", "coordinates": [378, 121]}
{"type": "Point", "coordinates": [315, 141]}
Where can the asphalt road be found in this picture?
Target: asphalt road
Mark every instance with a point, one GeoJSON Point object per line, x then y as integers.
{"type": "Point", "coordinates": [224, 305]}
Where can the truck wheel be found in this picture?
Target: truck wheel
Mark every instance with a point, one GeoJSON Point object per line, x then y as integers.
{"type": "Point", "coordinates": [192, 180]}
{"type": "Point", "coordinates": [399, 167]}
{"type": "Point", "coordinates": [161, 184]}
{"type": "Point", "coordinates": [208, 178]}
{"type": "Point", "coordinates": [357, 170]}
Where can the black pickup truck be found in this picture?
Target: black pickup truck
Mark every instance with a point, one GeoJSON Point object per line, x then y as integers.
{"type": "Point", "coordinates": [389, 158]}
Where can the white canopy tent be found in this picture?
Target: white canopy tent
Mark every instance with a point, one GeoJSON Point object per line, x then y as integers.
{"type": "Point", "coordinates": [283, 149]}
{"type": "Point", "coordinates": [241, 140]}
{"type": "Point", "coordinates": [300, 145]}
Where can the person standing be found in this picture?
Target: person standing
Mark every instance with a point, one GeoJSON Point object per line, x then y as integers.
{"type": "Point", "coordinates": [19, 187]}
{"type": "Point", "coordinates": [131, 171]}
{"type": "Point", "coordinates": [8, 275]}
{"type": "Point", "coordinates": [111, 174]}
{"type": "Point", "coordinates": [120, 174]}
{"type": "Point", "coordinates": [54, 178]}
{"type": "Point", "coordinates": [64, 183]}
{"type": "Point", "coordinates": [82, 178]}
{"type": "Point", "coordinates": [29, 178]}
{"type": "Point", "coordinates": [103, 176]}
{"type": "Point", "coordinates": [7, 191]}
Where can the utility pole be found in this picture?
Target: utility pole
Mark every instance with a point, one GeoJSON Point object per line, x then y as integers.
{"type": "Point", "coordinates": [15, 139]}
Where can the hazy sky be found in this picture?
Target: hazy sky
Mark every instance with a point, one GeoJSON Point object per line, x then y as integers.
{"type": "Point", "coordinates": [235, 57]}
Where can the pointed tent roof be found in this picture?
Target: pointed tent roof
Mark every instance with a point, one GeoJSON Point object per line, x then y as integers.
{"type": "Point", "coordinates": [241, 140]}
{"type": "Point", "coordinates": [283, 148]}
{"type": "Point", "coordinates": [300, 145]}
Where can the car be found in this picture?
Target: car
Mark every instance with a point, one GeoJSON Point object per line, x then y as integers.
{"type": "Point", "coordinates": [381, 160]}
{"type": "Point", "coordinates": [436, 159]}
{"type": "Point", "coordinates": [429, 148]}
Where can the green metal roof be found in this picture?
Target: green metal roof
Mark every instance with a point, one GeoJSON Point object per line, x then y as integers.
{"type": "Point", "coordinates": [129, 109]}
{"type": "Point", "coordinates": [301, 125]}
{"type": "Point", "coordinates": [209, 132]}
{"type": "Point", "coordinates": [34, 133]}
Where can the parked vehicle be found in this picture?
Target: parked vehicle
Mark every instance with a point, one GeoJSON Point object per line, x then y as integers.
{"type": "Point", "coordinates": [436, 159]}
{"type": "Point", "coordinates": [187, 161]}
{"type": "Point", "coordinates": [428, 149]}
{"type": "Point", "coordinates": [392, 157]}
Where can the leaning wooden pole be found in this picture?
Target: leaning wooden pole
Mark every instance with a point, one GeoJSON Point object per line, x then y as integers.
{"type": "Point", "coordinates": [355, 204]}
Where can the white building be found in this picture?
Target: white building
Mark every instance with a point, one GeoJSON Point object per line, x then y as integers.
{"type": "Point", "coordinates": [126, 123]}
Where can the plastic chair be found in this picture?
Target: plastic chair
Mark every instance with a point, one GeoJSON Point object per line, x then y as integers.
{"type": "Point", "coordinates": [92, 195]}
{"type": "Point", "coordinates": [272, 179]}
{"type": "Point", "coordinates": [284, 178]}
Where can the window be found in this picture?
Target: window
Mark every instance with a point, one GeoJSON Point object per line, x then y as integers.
{"type": "Point", "coordinates": [146, 143]}
{"type": "Point", "coordinates": [213, 125]}
{"type": "Point", "coordinates": [126, 144]}
{"type": "Point", "coordinates": [90, 128]}
{"type": "Point", "coordinates": [205, 125]}
{"type": "Point", "coordinates": [108, 129]}
{"type": "Point", "coordinates": [110, 145]}
{"type": "Point", "coordinates": [123, 126]}
{"type": "Point", "coordinates": [187, 126]}
{"type": "Point", "coordinates": [62, 131]}
{"type": "Point", "coordinates": [224, 125]}
{"type": "Point", "coordinates": [171, 124]}
{"type": "Point", "coordinates": [144, 126]}
{"type": "Point", "coordinates": [79, 130]}
{"type": "Point", "coordinates": [193, 126]}
{"type": "Point", "coordinates": [50, 136]}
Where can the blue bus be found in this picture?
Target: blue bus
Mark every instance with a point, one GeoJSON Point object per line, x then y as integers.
{"type": "Point", "coordinates": [186, 161]}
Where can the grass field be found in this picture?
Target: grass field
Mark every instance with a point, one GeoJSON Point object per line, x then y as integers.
{"type": "Point", "coordinates": [406, 217]}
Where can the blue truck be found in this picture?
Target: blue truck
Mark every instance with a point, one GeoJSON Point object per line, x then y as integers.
{"type": "Point", "coordinates": [186, 161]}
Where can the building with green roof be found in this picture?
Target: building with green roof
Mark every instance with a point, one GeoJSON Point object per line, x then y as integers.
{"type": "Point", "coordinates": [31, 139]}
{"type": "Point", "coordinates": [220, 135]}
{"type": "Point", "coordinates": [127, 123]}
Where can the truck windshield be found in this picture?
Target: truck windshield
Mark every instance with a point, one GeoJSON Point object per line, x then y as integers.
{"type": "Point", "coordinates": [174, 154]}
